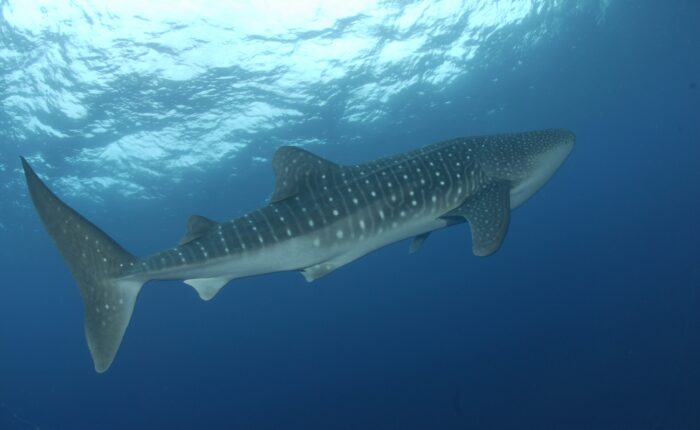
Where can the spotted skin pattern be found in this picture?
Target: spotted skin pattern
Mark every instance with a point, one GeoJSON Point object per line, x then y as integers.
{"type": "Point", "coordinates": [321, 216]}
{"type": "Point", "coordinates": [360, 201]}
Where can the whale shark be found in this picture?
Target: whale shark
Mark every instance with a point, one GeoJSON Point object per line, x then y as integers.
{"type": "Point", "coordinates": [321, 216]}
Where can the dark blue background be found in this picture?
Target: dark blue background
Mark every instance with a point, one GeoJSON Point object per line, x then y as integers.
{"type": "Point", "coordinates": [588, 317]}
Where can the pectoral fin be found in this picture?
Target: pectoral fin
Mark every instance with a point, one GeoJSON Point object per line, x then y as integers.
{"type": "Point", "coordinates": [488, 214]}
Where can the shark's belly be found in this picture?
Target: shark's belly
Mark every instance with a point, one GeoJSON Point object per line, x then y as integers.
{"type": "Point", "coordinates": [401, 232]}
{"type": "Point", "coordinates": [344, 252]}
{"type": "Point", "coordinates": [286, 255]}
{"type": "Point", "coordinates": [327, 248]}
{"type": "Point", "coordinates": [312, 250]}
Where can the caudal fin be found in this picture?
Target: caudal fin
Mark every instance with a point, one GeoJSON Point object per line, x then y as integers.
{"type": "Point", "coordinates": [99, 266]}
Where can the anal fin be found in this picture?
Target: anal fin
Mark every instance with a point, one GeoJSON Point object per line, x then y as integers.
{"type": "Point", "coordinates": [207, 287]}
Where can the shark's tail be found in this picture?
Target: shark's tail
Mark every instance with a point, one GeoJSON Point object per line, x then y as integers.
{"type": "Point", "coordinates": [99, 265]}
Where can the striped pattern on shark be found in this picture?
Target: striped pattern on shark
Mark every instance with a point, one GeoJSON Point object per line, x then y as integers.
{"type": "Point", "coordinates": [321, 216]}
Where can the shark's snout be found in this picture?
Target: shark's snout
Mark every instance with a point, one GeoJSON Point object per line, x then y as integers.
{"type": "Point", "coordinates": [569, 139]}
{"type": "Point", "coordinates": [561, 139]}
{"type": "Point", "coordinates": [548, 151]}
{"type": "Point", "coordinates": [561, 149]}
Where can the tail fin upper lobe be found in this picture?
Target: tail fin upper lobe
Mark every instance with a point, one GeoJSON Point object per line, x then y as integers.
{"type": "Point", "coordinates": [99, 266]}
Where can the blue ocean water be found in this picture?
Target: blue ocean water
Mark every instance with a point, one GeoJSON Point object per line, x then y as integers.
{"type": "Point", "coordinates": [140, 114]}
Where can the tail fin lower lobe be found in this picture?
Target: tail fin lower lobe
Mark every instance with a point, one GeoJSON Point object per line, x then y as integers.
{"type": "Point", "coordinates": [99, 266]}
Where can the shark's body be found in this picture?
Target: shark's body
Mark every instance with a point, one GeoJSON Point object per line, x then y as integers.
{"type": "Point", "coordinates": [321, 216]}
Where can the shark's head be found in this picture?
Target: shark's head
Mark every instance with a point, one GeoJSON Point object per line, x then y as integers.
{"type": "Point", "coordinates": [525, 160]}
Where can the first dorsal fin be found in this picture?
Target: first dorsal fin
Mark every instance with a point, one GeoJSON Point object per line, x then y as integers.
{"type": "Point", "coordinates": [197, 226]}
{"type": "Point", "coordinates": [297, 170]}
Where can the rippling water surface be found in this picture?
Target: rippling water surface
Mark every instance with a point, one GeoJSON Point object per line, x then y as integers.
{"type": "Point", "coordinates": [123, 93]}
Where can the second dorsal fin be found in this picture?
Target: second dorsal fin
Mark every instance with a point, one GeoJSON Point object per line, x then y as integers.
{"type": "Point", "coordinates": [297, 170]}
{"type": "Point", "coordinates": [197, 226]}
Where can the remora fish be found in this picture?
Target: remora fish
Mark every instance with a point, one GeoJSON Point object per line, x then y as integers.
{"type": "Point", "coordinates": [321, 216]}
